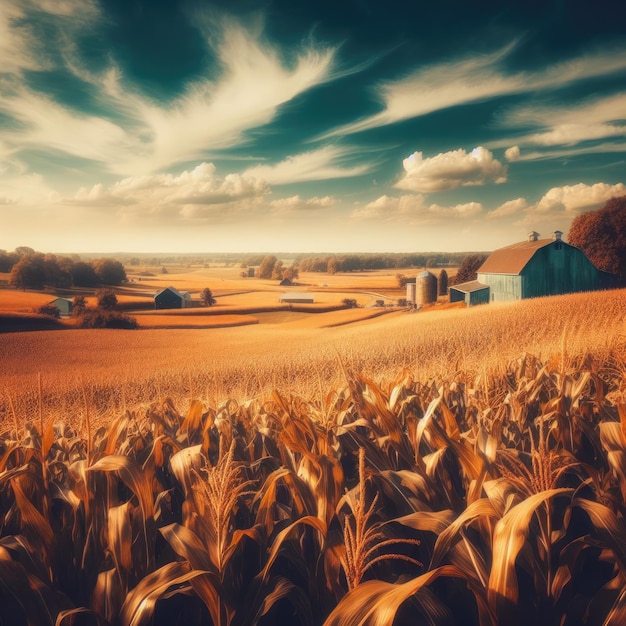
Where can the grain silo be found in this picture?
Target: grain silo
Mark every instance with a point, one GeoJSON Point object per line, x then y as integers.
{"type": "Point", "coordinates": [410, 290]}
{"type": "Point", "coordinates": [426, 289]}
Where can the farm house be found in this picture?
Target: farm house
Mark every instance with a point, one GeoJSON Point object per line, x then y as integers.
{"type": "Point", "coordinates": [472, 293]}
{"type": "Point", "coordinates": [535, 268]}
{"type": "Point", "coordinates": [64, 305]}
{"type": "Point", "coordinates": [171, 298]}
{"type": "Point", "coordinates": [299, 298]}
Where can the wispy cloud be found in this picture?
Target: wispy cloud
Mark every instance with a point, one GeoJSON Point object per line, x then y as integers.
{"type": "Point", "coordinates": [414, 210]}
{"type": "Point", "coordinates": [142, 136]}
{"type": "Point", "coordinates": [568, 125]}
{"type": "Point", "coordinates": [449, 170]}
{"type": "Point", "coordinates": [322, 164]}
{"type": "Point", "coordinates": [474, 79]}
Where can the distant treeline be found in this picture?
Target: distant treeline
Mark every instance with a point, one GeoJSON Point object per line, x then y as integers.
{"type": "Point", "coordinates": [332, 263]}
{"type": "Point", "coordinates": [33, 270]}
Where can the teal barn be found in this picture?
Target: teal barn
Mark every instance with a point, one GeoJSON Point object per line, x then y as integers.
{"type": "Point", "coordinates": [531, 269]}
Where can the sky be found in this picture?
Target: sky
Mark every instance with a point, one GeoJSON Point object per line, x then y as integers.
{"type": "Point", "coordinates": [301, 126]}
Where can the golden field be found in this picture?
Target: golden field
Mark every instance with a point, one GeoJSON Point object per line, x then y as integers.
{"type": "Point", "coordinates": [255, 464]}
{"type": "Point", "coordinates": [455, 466]}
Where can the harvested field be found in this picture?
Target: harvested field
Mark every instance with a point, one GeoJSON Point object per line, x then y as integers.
{"type": "Point", "coordinates": [128, 367]}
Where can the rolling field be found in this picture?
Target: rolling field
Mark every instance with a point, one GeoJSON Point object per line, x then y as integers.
{"type": "Point", "coordinates": [123, 368]}
{"type": "Point", "coordinates": [458, 466]}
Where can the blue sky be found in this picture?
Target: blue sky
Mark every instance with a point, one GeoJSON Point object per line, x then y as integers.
{"type": "Point", "coordinates": [179, 126]}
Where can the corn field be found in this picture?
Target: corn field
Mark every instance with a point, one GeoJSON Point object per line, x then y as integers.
{"type": "Point", "coordinates": [448, 500]}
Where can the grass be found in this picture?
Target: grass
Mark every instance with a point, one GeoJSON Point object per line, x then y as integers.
{"type": "Point", "coordinates": [485, 497]}
{"type": "Point", "coordinates": [118, 369]}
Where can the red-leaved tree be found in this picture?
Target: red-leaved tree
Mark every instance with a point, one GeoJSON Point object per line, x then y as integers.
{"type": "Point", "coordinates": [601, 235]}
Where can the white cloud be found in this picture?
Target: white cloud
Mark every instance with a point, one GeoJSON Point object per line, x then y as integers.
{"type": "Point", "coordinates": [169, 194]}
{"type": "Point", "coordinates": [450, 170]}
{"type": "Point", "coordinates": [569, 125]}
{"type": "Point", "coordinates": [321, 164]}
{"type": "Point", "coordinates": [512, 154]}
{"type": "Point", "coordinates": [511, 207]}
{"type": "Point", "coordinates": [474, 79]}
{"type": "Point", "coordinates": [296, 204]}
{"type": "Point", "coordinates": [571, 200]}
{"type": "Point", "coordinates": [413, 209]}
{"type": "Point", "coordinates": [148, 136]}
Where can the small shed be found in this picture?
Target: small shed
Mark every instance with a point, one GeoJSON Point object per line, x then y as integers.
{"type": "Point", "coordinates": [472, 293]}
{"type": "Point", "coordinates": [171, 298]}
{"type": "Point", "coordinates": [286, 282]}
{"type": "Point", "coordinates": [299, 298]}
{"type": "Point", "coordinates": [250, 272]}
{"type": "Point", "coordinates": [64, 305]}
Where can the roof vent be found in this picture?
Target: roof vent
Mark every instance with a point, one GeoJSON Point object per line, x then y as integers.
{"type": "Point", "coordinates": [557, 235]}
{"type": "Point", "coordinates": [533, 236]}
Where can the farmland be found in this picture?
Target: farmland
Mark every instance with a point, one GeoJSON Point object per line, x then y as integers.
{"type": "Point", "coordinates": [358, 466]}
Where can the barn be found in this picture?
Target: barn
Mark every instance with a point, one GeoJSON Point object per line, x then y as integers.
{"type": "Point", "coordinates": [472, 293]}
{"type": "Point", "coordinates": [534, 268]}
{"type": "Point", "coordinates": [299, 298]}
{"type": "Point", "coordinates": [64, 305]}
{"type": "Point", "coordinates": [171, 298]}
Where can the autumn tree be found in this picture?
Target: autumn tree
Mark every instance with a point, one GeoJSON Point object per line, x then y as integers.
{"type": "Point", "coordinates": [468, 269]}
{"type": "Point", "coordinates": [29, 272]}
{"type": "Point", "coordinates": [109, 271]}
{"type": "Point", "coordinates": [79, 306]}
{"type": "Point", "coordinates": [601, 235]}
{"type": "Point", "coordinates": [401, 280]}
{"type": "Point", "coordinates": [267, 267]}
{"type": "Point", "coordinates": [443, 283]}
{"type": "Point", "coordinates": [106, 299]}
{"type": "Point", "coordinates": [83, 275]}
{"type": "Point", "coordinates": [207, 297]}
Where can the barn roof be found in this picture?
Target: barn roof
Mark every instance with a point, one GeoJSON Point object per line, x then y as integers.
{"type": "Point", "coordinates": [512, 259]}
{"type": "Point", "coordinates": [297, 295]}
{"type": "Point", "coordinates": [173, 290]}
{"type": "Point", "coordinates": [62, 299]}
{"type": "Point", "coordinates": [472, 285]}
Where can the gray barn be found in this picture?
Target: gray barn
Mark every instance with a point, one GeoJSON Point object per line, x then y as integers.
{"type": "Point", "coordinates": [170, 298]}
{"type": "Point", "coordinates": [472, 293]}
{"type": "Point", "coordinates": [539, 267]}
{"type": "Point", "coordinates": [64, 305]}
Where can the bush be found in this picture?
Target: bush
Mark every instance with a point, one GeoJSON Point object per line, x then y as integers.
{"type": "Point", "coordinates": [102, 318]}
{"type": "Point", "coordinates": [49, 309]}
{"type": "Point", "coordinates": [350, 303]}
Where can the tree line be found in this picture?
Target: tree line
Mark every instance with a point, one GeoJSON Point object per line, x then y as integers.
{"type": "Point", "coordinates": [34, 270]}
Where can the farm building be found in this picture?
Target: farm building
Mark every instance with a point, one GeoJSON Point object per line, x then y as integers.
{"type": "Point", "coordinates": [535, 268]}
{"type": "Point", "coordinates": [171, 298]}
{"type": "Point", "coordinates": [472, 293]}
{"type": "Point", "coordinates": [300, 298]}
{"type": "Point", "coordinates": [286, 282]}
{"type": "Point", "coordinates": [64, 305]}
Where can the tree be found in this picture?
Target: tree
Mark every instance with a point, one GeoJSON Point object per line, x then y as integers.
{"type": "Point", "coordinates": [79, 305]}
{"type": "Point", "coordinates": [292, 272]}
{"type": "Point", "coordinates": [601, 235]}
{"type": "Point", "coordinates": [106, 299]}
{"type": "Point", "coordinates": [267, 267]}
{"type": "Point", "coordinates": [469, 267]}
{"type": "Point", "coordinates": [49, 309]}
{"type": "Point", "coordinates": [207, 297]}
{"type": "Point", "coordinates": [109, 271]}
{"type": "Point", "coordinates": [332, 265]}
{"type": "Point", "coordinates": [401, 280]}
{"type": "Point", "coordinates": [443, 283]}
{"type": "Point", "coordinates": [29, 272]}
{"type": "Point", "coordinates": [277, 271]}
{"type": "Point", "coordinates": [83, 275]}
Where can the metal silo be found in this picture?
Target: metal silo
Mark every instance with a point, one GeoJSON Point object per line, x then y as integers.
{"type": "Point", "coordinates": [410, 291]}
{"type": "Point", "coordinates": [426, 288]}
